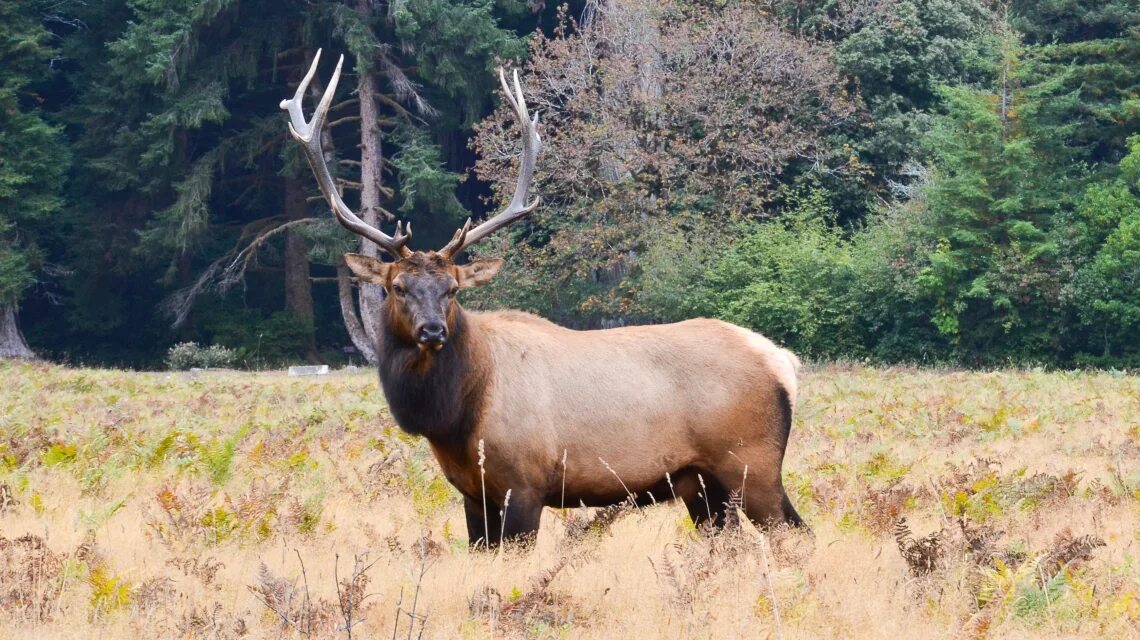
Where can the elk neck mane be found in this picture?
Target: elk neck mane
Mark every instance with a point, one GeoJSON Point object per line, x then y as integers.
{"type": "Point", "coordinates": [440, 394]}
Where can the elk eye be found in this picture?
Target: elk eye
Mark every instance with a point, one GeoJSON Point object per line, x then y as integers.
{"type": "Point", "coordinates": [452, 291]}
{"type": "Point", "coordinates": [398, 290]}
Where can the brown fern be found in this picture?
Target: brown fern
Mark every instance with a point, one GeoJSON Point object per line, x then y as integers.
{"type": "Point", "coordinates": [1068, 550]}
{"type": "Point", "coordinates": [579, 527]}
{"type": "Point", "coordinates": [922, 555]}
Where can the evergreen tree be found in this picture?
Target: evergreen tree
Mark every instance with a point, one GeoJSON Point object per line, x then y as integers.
{"type": "Point", "coordinates": [950, 191]}
{"type": "Point", "coordinates": [901, 56]}
{"type": "Point", "coordinates": [1003, 173]}
{"type": "Point", "coordinates": [32, 165]}
{"type": "Point", "coordinates": [1098, 41]}
{"type": "Point", "coordinates": [1107, 286]}
{"type": "Point", "coordinates": [189, 184]}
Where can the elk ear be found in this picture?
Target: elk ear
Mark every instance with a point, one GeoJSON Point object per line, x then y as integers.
{"type": "Point", "coordinates": [369, 270]}
{"type": "Point", "coordinates": [480, 272]}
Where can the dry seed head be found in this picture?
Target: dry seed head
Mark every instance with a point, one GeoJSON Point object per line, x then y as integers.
{"type": "Point", "coordinates": [632, 499]}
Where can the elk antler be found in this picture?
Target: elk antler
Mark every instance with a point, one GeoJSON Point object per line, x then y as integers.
{"type": "Point", "coordinates": [465, 236]}
{"type": "Point", "coordinates": [309, 135]}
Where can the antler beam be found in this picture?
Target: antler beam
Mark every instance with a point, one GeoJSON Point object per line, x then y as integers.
{"type": "Point", "coordinates": [309, 135]}
{"type": "Point", "coordinates": [518, 209]}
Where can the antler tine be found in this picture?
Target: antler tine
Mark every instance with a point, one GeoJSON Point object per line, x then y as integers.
{"type": "Point", "coordinates": [518, 207]}
{"type": "Point", "coordinates": [309, 135]}
{"type": "Point", "coordinates": [294, 106]}
{"type": "Point", "coordinates": [458, 240]}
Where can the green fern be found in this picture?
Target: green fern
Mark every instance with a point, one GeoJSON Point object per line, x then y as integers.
{"type": "Point", "coordinates": [108, 592]}
{"type": "Point", "coordinates": [430, 493]}
{"type": "Point", "coordinates": [218, 456]}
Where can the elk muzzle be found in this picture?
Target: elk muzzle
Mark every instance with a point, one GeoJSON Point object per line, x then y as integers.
{"type": "Point", "coordinates": [432, 334]}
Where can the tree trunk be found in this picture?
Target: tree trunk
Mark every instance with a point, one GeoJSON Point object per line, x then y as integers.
{"type": "Point", "coordinates": [298, 286]}
{"type": "Point", "coordinates": [12, 344]}
{"type": "Point", "coordinates": [371, 296]}
{"type": "Point", "coordinates": [360, 338]}
{"type": "Point", "coordinates": [356, 332]}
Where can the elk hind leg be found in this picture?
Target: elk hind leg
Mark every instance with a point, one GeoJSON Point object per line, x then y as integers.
{"type": "Point", "coordinates": [765, 502]}
{"type": "Point", "coordinates": [705, 503]}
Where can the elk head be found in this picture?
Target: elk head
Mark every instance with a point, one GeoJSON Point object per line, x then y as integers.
{"type": "Point", "coordinates": [421, 286]}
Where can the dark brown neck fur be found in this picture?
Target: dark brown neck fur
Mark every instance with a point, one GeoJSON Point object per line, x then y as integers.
{"type": "Point", "coordinates": [435, 394]}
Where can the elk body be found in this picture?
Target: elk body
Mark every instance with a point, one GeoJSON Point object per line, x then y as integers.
{"type": "Point", "coordinates": [516, 406]}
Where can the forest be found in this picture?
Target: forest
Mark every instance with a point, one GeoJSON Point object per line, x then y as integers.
{"type": "Point", "coordinates": [922, 181]}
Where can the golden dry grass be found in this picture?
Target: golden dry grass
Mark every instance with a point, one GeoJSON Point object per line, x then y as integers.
{"type": "Point", "coordinates": [163, 505]}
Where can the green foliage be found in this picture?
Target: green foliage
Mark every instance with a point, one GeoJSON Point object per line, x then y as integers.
{"type": "Point", "coordinates": [685, 123]}
{"type": "Point", "coordinates": [99, 517]}
{"type": "Point", "coordinates": [1100, 43]}
{"type": "Point", "coordinates": [109, 592]}
{"type": "Point", "coordinates": [900, 56]}
{"type": "Point", "coordinates": [218, 456]}
{"type": "Point", "coordinates": [309, 516]}
{"type": "Point", "coordinates": [34, 161]}
{"type": "Point", "coordinates": [1107, 287]}
{"type": "Point", "coordinates": [1003, 175]}
{"type": "Point", "coordinates": [794, 279]}
{"type": "Point", "coordinates": [260, 342]}
{"type": "Point", "coordinates": [59, 454]}
{"type": "Point", "coordinates": [675, 261]}
{"type": "Point", "coordinates": [219, 525]}
{"type": "Point", "coordinates": [425, 183]}
{"type": "Point", "coordinates": [457, 45]}
{"type": "Point", "coordinates": [914, 180]}
{"type": "Point", "coordinates": [1063, 21]}
{"type": "Point", "coordinates": [431, 493]}
{"type": "Point", "coordinates": [188, 355]}
{"type": "Point", "coordinates": [803, 281]}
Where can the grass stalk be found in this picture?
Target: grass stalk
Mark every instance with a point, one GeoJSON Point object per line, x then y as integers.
{"type": "Point", "coordinates": [483, 488]}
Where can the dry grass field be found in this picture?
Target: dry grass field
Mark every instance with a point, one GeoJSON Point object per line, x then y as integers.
{"type": "Point", "coordinates": [227, 505]}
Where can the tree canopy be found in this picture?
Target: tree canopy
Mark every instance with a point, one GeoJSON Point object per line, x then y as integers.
{"type": "Point", "coordinates": [905, 180]}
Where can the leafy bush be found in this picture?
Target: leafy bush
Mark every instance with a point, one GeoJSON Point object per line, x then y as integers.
{"type": "Point", "coordinates": [186, 355]}
{"type": "Point", "coordinates": [887, 256]}
{"type": "Point", "coordinates": [1107, 286]}
{"type": "Point", "coordinates": [671, 281]}
{"type": "Point", "coordinates": [803, 280]}
{"type": "Point", "coordinates": [793, 280]}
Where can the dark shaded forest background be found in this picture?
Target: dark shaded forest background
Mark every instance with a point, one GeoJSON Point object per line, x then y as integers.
{"type": "Point", "coordinates": [931, 181]}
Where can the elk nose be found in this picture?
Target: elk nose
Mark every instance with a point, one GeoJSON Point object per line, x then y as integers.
{"type": "Point", "coordinates": [433, 333]}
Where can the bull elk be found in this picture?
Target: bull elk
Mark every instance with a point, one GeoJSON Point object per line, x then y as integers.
{"type": "Point", "coordinates": [516, 406]}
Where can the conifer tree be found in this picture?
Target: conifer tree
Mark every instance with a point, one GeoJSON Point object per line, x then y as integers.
{"type": "Point", "coordinates": [1003, 172]}
{"type": "Point", "coordinates": [179, 130]}
{"type": "Point", "coordinates": [32, 165]}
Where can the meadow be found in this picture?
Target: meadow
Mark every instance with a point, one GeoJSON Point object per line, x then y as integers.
{"type": "Point", "coordinates": [942, 504]}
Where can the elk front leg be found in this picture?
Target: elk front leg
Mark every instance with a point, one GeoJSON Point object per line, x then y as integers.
{"type": "Point", "coordinates": [522, 518]}
{"type": "Point", "coordinates": [482, 532]}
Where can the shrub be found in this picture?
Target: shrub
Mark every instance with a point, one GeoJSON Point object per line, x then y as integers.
{"type": "Point", "coordinates": [187, 355]}
{"type": "Point", "coordinates": [803, 280]}
{"type": "Point", "coordinates": [793, 279]}
{"type": "Point", "coordinates": [1106, 286]}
